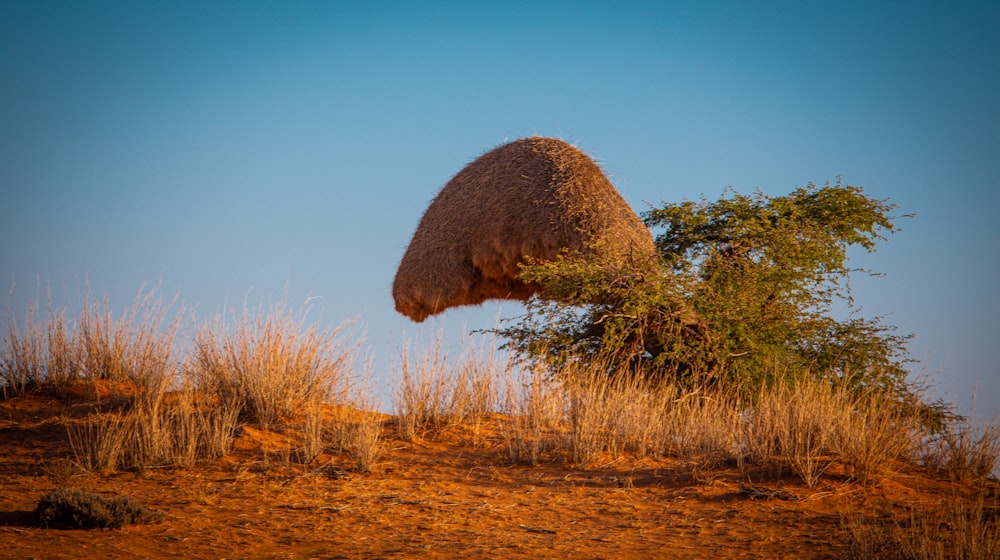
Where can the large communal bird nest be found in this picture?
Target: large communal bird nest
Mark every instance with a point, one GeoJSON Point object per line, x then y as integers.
{"type": "Point", "coordinates": [524, 201]}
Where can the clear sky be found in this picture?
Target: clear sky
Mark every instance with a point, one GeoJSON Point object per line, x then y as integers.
{"type": "Point", "coordinates": [236, 150]}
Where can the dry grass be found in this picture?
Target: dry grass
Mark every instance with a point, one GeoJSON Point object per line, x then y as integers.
{"type": "Point", "coordinates": [965, 454]}
{"type": "Point", "coordinates": [534, 409]}
{"type": "Point", "coordinates": [433, 392]}
{"type": "Point", "coordinates": [792, 427]}
{"type": "Point", "coordinates": [23, 363]}
{"type": "Point", "coordinates": [171, 410]}
{"type": "Point", "coordinates": [584, 416]}
{"type": "Point", "coordinates": [99, 442]}
{"type": "Point", "coordinates": [961, 528]}
{"type": "Point", "coordinates": [820, 432]}
{"type": "Point", "coordinates": [172, 435]}
{"type": "Point", "coordinates": [314, 440]}
{"type": "Point", "coordinates": [357, 426]}
{"type": "Point", "coordinates": [136, 348]}
{"type": "Point", "coordinates": [804, 428]}
{"type": "Point", "coordinates": [364, 443]}
{"type": "Point", "coordinates": [873, 432]}
{"type": "Point", "coordinates": [272, 363]}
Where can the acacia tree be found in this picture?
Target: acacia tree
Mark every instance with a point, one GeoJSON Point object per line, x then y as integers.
{"type": "Point", "coordinates": [743, 291]}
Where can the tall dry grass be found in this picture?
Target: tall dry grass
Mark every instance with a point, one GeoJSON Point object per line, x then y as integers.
{"type": "Point", "coordinates": [24, 361]}
{"type": "Point", "coordinates": [135, 349]}
{"type": "Point", "coordinates": [356, 425]}
{"type": "Point", "coordinates": [268, 366]}
{"type": "Point", "coordinates": [177, 409]}
{"type": "Point", "coordinates": [173, 434]}
{"type": "Point", "coordinates": [534, 410]}
{"type": "Point", "coordinates": [803, 427]}
{"type": "Point", "coordinates": [581, 414]}
{"type": "Point", "coordinates": [873, 432]}
{"type": "Point", "coordinates": [792, 427]}
{"type": "Point", "coordinates": [272, 363]}
{"type": "Point", "coordinates": [433, 392]}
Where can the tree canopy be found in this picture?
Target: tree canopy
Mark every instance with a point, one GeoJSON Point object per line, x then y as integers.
{"type": "Point", "coordinates": [744, 290]}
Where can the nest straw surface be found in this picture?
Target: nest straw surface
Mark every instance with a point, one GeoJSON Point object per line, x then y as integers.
{"type": "Point", "coordinates": [529, 199]}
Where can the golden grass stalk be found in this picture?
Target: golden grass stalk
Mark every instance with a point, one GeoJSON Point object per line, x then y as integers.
{"type": "Point", "coordinates": [421, 400]}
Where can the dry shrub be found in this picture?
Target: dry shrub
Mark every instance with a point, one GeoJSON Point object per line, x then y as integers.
{"type": "Point", "coordinates": [273, 364]}
{"type": "Point", "coordinates": [529, 199]}
{"type": "Point", "coordinates": [73, 509]}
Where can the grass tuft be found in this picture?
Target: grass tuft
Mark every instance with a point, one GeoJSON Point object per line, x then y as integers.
{"type": "Point", "coordinates": [273, 364]}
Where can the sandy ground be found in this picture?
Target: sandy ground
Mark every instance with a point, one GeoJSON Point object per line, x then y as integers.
{"type": "Point", "coordinates": [450, 495]}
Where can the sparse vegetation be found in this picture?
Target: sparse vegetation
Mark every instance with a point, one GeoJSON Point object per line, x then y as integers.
{"type": "Point", "coordinates": [317, 416]}
{"type": "Point", "coordinates": [23, 362]}
{"type": "Point", "coordinates": [153, 407]}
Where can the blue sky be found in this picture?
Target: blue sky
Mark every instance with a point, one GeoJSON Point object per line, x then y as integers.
{"type": "Point", "coordinates": [239, 150]}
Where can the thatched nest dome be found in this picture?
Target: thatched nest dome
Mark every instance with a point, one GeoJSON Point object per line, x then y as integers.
{"type": "Point", "coordinates": [528, 199]}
